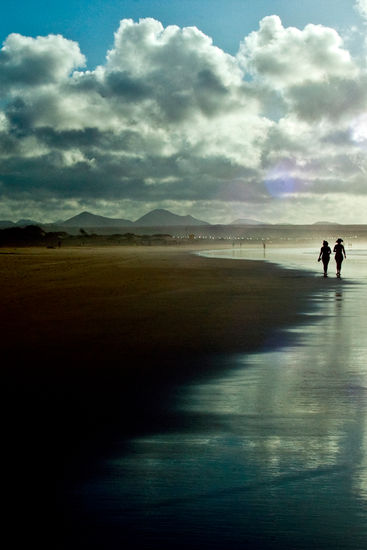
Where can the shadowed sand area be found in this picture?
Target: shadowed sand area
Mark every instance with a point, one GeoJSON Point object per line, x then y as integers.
{"type": "Point", "coordinates": [93, 340]}
{"type": "Point", "coordinates": [99, 305]}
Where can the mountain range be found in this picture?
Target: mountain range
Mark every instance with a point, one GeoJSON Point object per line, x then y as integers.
{"type": "Point", "coordinates": [155, 218]}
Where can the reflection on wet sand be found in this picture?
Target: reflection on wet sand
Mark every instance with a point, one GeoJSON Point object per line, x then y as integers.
{"type": "Point", "coordinates": [273, 454]}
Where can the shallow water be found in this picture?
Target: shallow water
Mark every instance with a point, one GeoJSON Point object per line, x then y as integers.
{"type": "Point", "coordinates": [271, 454]}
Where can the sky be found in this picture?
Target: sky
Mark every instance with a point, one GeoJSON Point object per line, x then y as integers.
{"type": "Point", "coordinates": [221, 110]}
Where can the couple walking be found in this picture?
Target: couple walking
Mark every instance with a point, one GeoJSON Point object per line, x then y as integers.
{"type": "Point", "coordinates": [325, 255]}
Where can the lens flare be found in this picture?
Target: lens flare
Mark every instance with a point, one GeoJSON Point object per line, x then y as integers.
{"type": "Point", "coordinates": [279, 180]}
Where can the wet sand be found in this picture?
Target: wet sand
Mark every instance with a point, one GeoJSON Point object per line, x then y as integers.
{"type": "Point", "coordinates": [94, 339]}
{"type": "Point", "coordinates": [88, 315]}
{"type": "Point", "coordinates": [267, 454]}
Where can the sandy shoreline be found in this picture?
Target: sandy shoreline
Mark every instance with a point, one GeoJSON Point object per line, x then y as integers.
{"type": "Point", "coordinates": [85, 318]}
{"type": "Point", "coordinates": [101, 304]}
{"type": "Point", "coordinates": [93, 339]}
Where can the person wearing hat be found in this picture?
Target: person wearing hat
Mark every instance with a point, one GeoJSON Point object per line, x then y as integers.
{"type": "Point", "coordinates": [324, 255]}
{"type": "Point", "coordinates": [339, 253]}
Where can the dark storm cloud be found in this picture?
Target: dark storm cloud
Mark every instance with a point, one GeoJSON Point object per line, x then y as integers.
{"type": "Point", "coordinates": [135, 178]}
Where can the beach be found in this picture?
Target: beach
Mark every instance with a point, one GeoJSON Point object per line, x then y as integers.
{"type": "Point", "coordinates": [93, 340]}
{"type": "Point", "coordinates": [90, 305]}
{"type": "Point", "coordinates": [84, 316]}
{"type": "Point", "coordinates": [74, 320]}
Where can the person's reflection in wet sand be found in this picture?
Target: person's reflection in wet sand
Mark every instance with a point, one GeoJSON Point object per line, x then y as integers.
{"type": "Point", "coordinates": [338, 299]}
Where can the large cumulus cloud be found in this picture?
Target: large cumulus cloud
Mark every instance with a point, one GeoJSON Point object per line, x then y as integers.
{"type": "Point", "coordinates": [171, 120]}
{"type": "Point", "coordinates": [288, 56]}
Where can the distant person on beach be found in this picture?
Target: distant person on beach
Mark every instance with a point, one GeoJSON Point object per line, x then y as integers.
{"type": "Point", "coordinates": [324, 255]}
{"type": "Point", "coordinates": [339, 253]}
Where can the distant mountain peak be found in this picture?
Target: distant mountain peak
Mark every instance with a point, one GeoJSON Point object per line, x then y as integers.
{"type": "Point", "coordinates": [87, 219]}
{"type": "Point", "coordinates": [162, 217]}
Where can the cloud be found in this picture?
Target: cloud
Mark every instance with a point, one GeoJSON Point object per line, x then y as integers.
{"type": "Point", "coordinates": [361, 7]}
{"type": "Point", "coordinates": [170, 119]}
{"type": "Point", "coordinates": [289, 56]}
{"type": "Point", "coordinates": [31, 62]}
{"type": "Point", "coordinates": [334, 98]}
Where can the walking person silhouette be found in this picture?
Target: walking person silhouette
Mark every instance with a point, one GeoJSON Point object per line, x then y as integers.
{"type": "Point", "coordinates": [339, 253]}
{"type": "Point", "coordinates": [324, 255]}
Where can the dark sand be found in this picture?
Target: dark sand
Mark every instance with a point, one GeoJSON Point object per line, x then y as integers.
{"type": "Point", "coordinates": [92, 317]}
{"type": "Point", "coordinates": [98, 305]}
{"type": "Point", "coordinates": [93, 340]}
